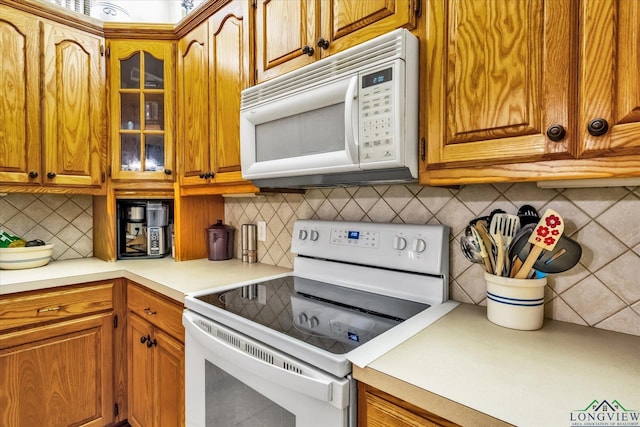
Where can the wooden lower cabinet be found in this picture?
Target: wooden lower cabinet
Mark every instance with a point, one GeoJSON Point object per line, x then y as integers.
{"type": "Point", "coordinates": [379, 409]}
{"type": "Point", "coordinates": [92, 354]}
{"type": "Point", "coordinates": [57, 371]}
{"type": "Point", "coordinates": [155, 360]}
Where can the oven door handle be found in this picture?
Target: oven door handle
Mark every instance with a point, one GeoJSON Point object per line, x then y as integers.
{"type": "Point", "coordinates": [319, 388]}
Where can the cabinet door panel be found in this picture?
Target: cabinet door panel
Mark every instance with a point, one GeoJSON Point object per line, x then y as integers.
{"type": "Point", "coordinates": [610, 76]}
{"type": "Point", "coordinates": [283, 28]}
{"type": "Point", "coordinates": [142, 110]}
{"type": "Point", "coordinates": [73, 107]}
{"type": "Point", "coordinates": [140, 378]}
{"type": "Point", "coordinates": [229, 75]}
{"type": "Point", "coordinates": [19, 105]}
{"type": "Point", "coordinates": [58, 375]}
{"type": "Point", "coordinates": [341, 18]}
{"type": "Point", "coordinates": [504, 69]}
{"type": "Point", "coordinates": [193, 83]}
{"type": "Point", "coordinates": [169, 387]}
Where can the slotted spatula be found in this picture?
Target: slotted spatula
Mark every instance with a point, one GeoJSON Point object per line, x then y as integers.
{"type": "Point", "coordinates": [545, 236]}
{"type": "Point", "coordinates": [503, 228]}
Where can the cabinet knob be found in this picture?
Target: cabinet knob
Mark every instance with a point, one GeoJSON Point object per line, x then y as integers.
{"type": "Point", "coordinates": [203, 175]}
{"type": "Point", "coordinates": [143, 339]}
{"type": "Point", "coordinates": [210, 174]}
{"type": "Point", "coordinates": [307, 50]}
{"type": "Point", "coordinates": [168, 171]}
{"type": "Point", "coordinates": [597, 127]}
{"type": "Point", "coordinates": [323, 43]}
{"type": "Point", "coordinates": [51, 175]}
{"type": "Point", "coordinates": [151, 343]}
{"type": "Point", "coordinates": [33, 174]}
{"type": "Point", "coordinates": [149, 312]}
{"type": "Point", "coordinates": [556, 133]}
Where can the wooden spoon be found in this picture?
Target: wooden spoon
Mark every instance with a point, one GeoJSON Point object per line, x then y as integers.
{"type": "Point", "coordinates": [544, 237]}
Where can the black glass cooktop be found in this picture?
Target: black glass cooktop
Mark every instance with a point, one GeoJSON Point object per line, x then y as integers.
{"type": "Point", "coordinates": [333, 318]}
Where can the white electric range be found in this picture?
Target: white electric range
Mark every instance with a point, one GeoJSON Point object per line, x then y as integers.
{"type": "Point", "coordinates": [278, 352]}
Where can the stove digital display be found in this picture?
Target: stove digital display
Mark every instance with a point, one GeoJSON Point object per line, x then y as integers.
{"type": "Point", "coordinates": [355, 235]}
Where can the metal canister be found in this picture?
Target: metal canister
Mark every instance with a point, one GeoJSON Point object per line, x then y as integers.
{"type": "Point", "coordinates": [244, 234]}
{"type": "Point", "coordinates": [249, 243]}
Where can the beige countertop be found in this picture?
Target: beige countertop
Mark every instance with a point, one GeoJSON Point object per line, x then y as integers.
{"type": "Point", "coordinates": [165, 275]}
{"type": "Point", "coordinates": [463, 366]}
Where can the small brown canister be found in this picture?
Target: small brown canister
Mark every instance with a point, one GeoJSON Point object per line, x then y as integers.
{"type": "Point", "coordinates": [220, 241]}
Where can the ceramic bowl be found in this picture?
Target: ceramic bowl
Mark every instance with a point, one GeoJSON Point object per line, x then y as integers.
{"type": "Point", "coordinates": [27, 257]}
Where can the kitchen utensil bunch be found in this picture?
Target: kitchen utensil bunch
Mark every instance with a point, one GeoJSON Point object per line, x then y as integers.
{"type": "Point", "coordinates": [521, 246]}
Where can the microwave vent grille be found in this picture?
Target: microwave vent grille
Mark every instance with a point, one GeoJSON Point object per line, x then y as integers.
{"type": "Point", "coordinates": [382, 49]}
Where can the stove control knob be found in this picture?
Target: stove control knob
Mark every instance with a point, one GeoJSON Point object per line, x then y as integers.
{"type": "Point", "coordinates": [302, 318]}
{"type": "Point", "coordinates": [399, 243]}
{"type": "Point", "coordinates": [302, 235]}
{"type": "Point", "coordinates": [314, 235]}
{"type": "Point", "coordinates": [419, 245]}
{"type": "Point", "coordinates": [313, 322]}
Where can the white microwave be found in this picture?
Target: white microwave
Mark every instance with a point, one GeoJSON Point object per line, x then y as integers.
{"type": "Point", "coordinates": [348, 119]}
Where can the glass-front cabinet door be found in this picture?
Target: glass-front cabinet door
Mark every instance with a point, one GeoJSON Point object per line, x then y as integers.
{"type": "Point", "coordinates": [142, 109]}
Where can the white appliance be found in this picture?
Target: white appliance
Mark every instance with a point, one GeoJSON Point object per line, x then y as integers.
{"type": "Point", "coordinates": [348, 119]}
{"type": "Point", "coordinates": [277, 352]}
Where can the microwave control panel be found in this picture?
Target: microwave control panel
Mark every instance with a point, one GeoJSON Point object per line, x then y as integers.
{"type": "Point", "coordinates": [377, 121]}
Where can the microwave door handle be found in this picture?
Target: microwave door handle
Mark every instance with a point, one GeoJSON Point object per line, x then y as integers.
{"type": "Point", "coordinates": [351, 130]}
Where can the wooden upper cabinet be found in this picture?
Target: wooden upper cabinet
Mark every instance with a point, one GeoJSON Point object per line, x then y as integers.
{"type": "Point", "coordinates": [20, 103]}
{"type": "Point", "coordinates": [294, 33]}
{"type": "Point", "coordinates": [499, 75]}
{"type": "Point", "coordinates": [283, 29]}
{"type": "Point", "coordinates": [213, 68]}
{"type": "Point", "coordinates": [609, 78]}
{"type": "Point", "coordinates": [52, 109]}
{"type": "Point", "coordinates": [530, 91]}
{"type": "Point", "coordinates": [346, 23]}
{"type": "Point", "coordinates": [73, 107]}
{"type": "Point", "coordinates": [229, 74]}
{"type": "Point", "coordinates": [142, 111]}
{"type": "Point", "coordinates": [193, 106]}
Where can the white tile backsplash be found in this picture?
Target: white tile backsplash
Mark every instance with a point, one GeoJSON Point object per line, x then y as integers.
{"type": "Point", "coordinates": [64, 220]}
{"type": "Point", "coordinates": [603, 290]}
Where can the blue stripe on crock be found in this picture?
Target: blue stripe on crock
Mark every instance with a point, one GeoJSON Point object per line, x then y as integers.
{"type": "Point", "coordinates": [516, 301]}
{"type": "Point", "coordinates": [25, 260]}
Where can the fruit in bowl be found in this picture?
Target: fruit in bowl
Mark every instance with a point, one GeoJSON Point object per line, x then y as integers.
{"type": "Point", "coordinates": [28, 256]}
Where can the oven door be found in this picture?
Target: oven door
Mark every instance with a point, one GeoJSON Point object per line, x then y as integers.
{"type": "Point", "coordinates": [232, 380]}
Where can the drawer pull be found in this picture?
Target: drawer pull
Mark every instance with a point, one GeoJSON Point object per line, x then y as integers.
{"type": "Point", "coordinates": [48, 309]}
{"type": "Point", "coordinates": [148, 311]}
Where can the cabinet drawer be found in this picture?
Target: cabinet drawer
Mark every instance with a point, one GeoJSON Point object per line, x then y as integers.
{"type": "Point", "coordinates": [27, 309]}
{"type": "Point", "coordinates": [160, 312]}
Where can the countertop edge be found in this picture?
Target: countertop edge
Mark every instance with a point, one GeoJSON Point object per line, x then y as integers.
{"type": "Point", "coordinates": [170, 278]}
{"type": "Point", "coordinates": [441, 406]}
